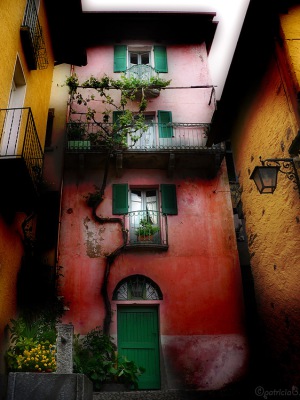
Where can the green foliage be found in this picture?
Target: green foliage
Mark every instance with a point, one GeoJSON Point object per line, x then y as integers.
{"type": "Point", "coordinates": [95, 356]}
{"type": "Point", "coordinates": [146, 228]}
{"type": "Point", "coordinates": [129, 124]}
{"type": "Point", "coordinates": [32, 345]}
{"type": "Point", "coordinates": [92, 353]}
{"type": "Point", "coordinates": [73, 83]}
{"type": "Point", "coordinates": [124, 371]}
{"type": "Point", "coordinates": [76, 131]}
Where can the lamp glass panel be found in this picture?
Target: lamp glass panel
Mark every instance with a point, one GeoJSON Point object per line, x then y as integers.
{"type": "Point", "coordinates": [269, 179]}
{"type": "Point", "coordinates": [265, 178]}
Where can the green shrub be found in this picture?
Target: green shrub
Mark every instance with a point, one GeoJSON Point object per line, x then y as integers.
{"type": "Point", "coordinates": [95, 356]}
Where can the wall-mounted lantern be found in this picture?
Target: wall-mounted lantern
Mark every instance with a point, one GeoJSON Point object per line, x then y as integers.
{"type": "Point", "coordinates": [265, 176]}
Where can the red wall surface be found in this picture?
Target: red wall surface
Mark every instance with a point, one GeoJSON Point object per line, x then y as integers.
{"type": "Point", "coordinates": [201, 315]}
{"type": "Point", "coordinates": [199, 275]}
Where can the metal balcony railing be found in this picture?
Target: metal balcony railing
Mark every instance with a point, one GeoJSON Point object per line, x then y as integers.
{"type": "Point", "coordinates": [142, 72]}
{"type": "Point", "coordinates": [85, 137]}
{"type": "Point", "coordinates": [19, 139]}
{"type": "Point", "coordinates": [32, 36]}
{"type": "Point", "coordinates": [146, 228]}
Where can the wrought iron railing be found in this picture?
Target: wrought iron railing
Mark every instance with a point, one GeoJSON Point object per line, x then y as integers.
{"type": "Point", "coordinates": [146, 227]}
{"type": "Point", "coordinates": [142, 72]}
{"type": "Point", "coordinates": [85, 137]}
{"type": "Point", "coordinates": [34, 36]}
{"type": "Point", "coordinates": [19, 139]}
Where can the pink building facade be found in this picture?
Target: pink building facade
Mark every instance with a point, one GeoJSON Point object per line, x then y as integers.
{"type": "Point", "coordinates": [176, 300]}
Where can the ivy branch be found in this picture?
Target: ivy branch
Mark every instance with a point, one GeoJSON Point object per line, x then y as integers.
{"type": "Point", "coordinates": [129, 123]}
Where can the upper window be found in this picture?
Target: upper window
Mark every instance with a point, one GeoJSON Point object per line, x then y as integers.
{"type": "Point", "coordinates": [139, 56]}
{"type": "Point", "coordinates": [126, 57]}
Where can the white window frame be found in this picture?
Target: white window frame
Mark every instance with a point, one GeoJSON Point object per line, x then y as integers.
{"type": "Point", "coordinates": [140, 49]}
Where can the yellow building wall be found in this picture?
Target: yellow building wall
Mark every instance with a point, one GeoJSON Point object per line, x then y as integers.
{"type": "Point", "coordinates": [38, 87]}
{"type": "Point", "coordinates": [291, 28]}
{"type": "Point", "coordinates": [38, 82]}
{"type": "Point", "coordinates": [266, 128]}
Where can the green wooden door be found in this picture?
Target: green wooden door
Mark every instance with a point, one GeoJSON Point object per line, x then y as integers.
{"type": "Point", "coordinates": [138, 341]}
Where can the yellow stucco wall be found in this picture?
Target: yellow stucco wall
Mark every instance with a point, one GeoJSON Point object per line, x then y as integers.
{"type": "Point", "coordinates": [266, 127]}
{"type": "Point", "coordinates": [38, 87]}
{"type": "Point", "coordinates": [291, 28]}
{"type": "Point", "coordinates": [38, 82]}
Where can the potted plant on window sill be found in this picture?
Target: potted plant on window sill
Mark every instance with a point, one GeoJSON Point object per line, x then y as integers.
{"type": "Point", "coordinates": [146, 230]}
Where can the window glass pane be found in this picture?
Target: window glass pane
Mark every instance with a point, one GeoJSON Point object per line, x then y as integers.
{"type": "Point", "coordinates": [133, 58]}
{"type": "Point", "coordinates": [151, 206]}
{"type": "Point", "coordinates": [145, 58]}
{"type": "Point", "coordinates": [136, 200]}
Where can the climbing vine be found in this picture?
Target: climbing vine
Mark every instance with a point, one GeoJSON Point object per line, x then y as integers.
{"type": "Point", "coordinates": [130, 123]}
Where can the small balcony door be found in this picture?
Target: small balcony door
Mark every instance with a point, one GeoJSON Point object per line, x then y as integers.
{"type": "Point", "coordinates": [146, 139]}
{"type": "Point", "coordinates": [144, 207]}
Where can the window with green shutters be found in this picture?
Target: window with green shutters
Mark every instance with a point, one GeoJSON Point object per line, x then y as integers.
{"type": "Point", "coordinates": [168, 199]}
{"type": "Point", "coordinates": [142, 57]}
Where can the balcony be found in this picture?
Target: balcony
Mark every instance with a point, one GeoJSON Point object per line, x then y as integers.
{"type": "Point", "coordinates": [167, 146]}
{"type": "Point", "coordinates": [146, 229]}
{"type": "Point", "coordinates": [32, 39]}
{"type": "Point", "coordinates": [21, 157]}
{"type": "Point", "coordinates": [144, 73]}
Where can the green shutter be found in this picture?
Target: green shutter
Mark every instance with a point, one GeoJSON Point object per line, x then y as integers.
{"type": "Point", "coordinates": [116, 115]}
{"type": "Point", "coordinates": [120, 198]}
{"type": "Point", "coordinates": [120, 58]}
{"type": "Point", "coordinates": [160, 59]}
{"type": "Point", "coordinates": [169, 199]}
{"type": "Point", "coordinates": [164, 118]}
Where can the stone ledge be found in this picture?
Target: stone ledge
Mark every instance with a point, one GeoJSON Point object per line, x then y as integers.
{"type": "Point", "coordinates": [48, 386]}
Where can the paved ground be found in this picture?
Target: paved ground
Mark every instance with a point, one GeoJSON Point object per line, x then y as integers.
{"type": "Point", "coordinates": [229, 394]}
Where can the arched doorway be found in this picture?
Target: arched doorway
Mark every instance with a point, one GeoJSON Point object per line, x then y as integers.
{"type": "Point", "coordinates": [138, 327]}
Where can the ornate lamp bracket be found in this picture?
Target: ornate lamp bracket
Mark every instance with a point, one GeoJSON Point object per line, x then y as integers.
{"type": "Point", "coordinates": [287, 166]}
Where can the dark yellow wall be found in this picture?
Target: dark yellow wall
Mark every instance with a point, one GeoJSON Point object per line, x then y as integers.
{"type": "Point", "coordinates": [38, 87]}
{"type": "Point", "coordinates": [266, 127]}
